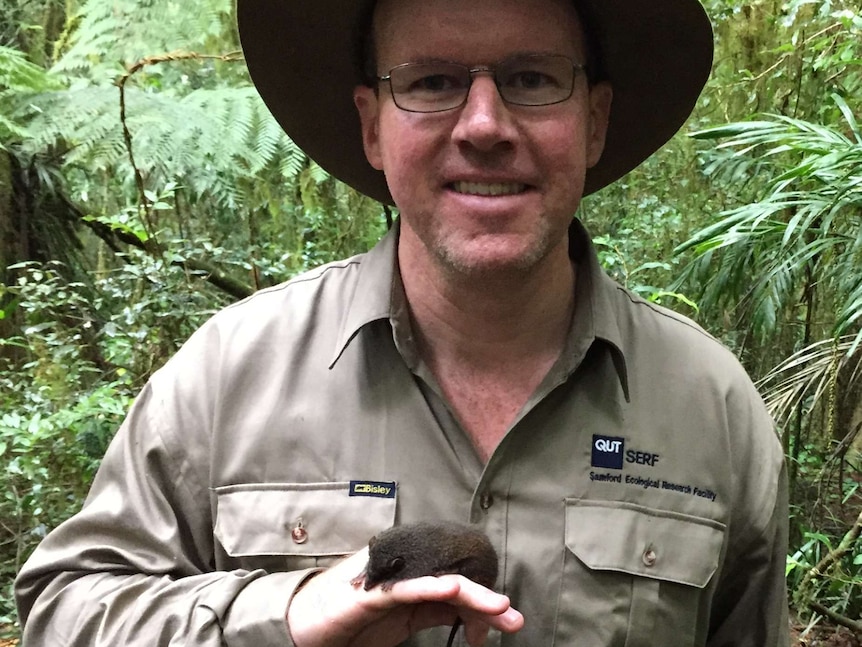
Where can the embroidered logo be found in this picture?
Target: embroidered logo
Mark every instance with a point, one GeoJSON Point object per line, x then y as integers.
{"type": "Point", "coordinates": [608, 452]}
{"type": "Point", "coordinates": [380, 489]}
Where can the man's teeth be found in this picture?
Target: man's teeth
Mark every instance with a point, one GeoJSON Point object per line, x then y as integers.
{"type": "Point", "coordinates": [493, 188]}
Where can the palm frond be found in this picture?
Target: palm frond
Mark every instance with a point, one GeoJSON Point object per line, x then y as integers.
{"type": "Point", "coordinates": [803, 378]}
{"type": "Point", "coordinates": [806, 221]}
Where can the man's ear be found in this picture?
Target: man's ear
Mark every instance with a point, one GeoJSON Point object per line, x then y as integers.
{"type": "Point", "coordinates": [367, 104]}
{"type": "Point", "coordinates": [601, 95]}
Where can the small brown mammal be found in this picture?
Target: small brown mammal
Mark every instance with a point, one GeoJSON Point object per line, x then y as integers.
{"type": "Point", "coordinates": [405, 552]}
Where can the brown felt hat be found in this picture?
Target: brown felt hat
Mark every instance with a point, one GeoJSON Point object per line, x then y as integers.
{"type": "Point", "coordinates": [304, 60]}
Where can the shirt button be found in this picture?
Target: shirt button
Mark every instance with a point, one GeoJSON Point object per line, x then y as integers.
{"type": "Point", "coordinates": [486, 501]}
{"type": "Point", "coordinates": [299, 534]}
{"type": "Point", "coordinates": [649, 557]}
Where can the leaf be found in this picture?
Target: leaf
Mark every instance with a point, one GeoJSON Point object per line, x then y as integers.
{"type": "Point", "coordinates": [675, 295]}
{"type": "Point", "coordinates": [848, 116]}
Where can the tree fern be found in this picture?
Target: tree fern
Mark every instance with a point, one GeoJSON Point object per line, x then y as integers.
{"type": "Point", "coordinates": [193, 122]}
{"type": "Point", "coordinates": [113, 33]}
{"type": "Point", "coordinates": [194, 137]}
{"type": "Point", "coordinates": [18, 80]}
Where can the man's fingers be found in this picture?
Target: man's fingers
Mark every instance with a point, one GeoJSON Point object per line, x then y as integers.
{"type": "Point", "coordinates": [455, 590]}
{"type": "Point", "coordinates": [333, 610]}
{"type": "Point", "coordinates": [471, 600]}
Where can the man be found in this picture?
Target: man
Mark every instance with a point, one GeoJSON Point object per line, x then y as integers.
{"type": "Point", "coordinates": [476, 365]}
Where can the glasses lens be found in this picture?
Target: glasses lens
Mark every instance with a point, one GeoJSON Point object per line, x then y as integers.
{"type": "Point", "coordinates": [429, 87]}
{"type": "Point", "coordinates": [536, 80]}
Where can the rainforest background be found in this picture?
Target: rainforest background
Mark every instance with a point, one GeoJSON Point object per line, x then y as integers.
{"type": "Point", "coordinates": [143, 186]}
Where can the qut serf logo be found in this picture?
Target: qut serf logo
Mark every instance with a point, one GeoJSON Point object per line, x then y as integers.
{"type": "Point", "coordinates": [608, 452]}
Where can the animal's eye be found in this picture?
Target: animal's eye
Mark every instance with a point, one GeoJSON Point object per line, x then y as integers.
{"type": "Point", "coordinates": [396, 564]}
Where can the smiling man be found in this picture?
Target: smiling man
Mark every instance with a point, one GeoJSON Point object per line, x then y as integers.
{"type": "Point", "coordinates": [477, 365]}
{"type": "Point", "coordinates": [486, 188]}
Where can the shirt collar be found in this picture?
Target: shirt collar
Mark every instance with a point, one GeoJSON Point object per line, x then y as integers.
{"type": "Point", "coordinates": [372, 298]}
{"type": "Point", "coordinates": [379, 294]}
{"type": "Point", "coordinates": [595, 317]}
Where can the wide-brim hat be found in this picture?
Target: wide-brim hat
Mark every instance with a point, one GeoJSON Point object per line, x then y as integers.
{"type": "Point", "coordinates": [303, 58]}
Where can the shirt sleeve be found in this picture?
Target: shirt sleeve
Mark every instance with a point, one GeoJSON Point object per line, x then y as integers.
{"type": "Point", "coordinates": [750, 607]}
{"type": "Point", "coordinates": [135, 566]}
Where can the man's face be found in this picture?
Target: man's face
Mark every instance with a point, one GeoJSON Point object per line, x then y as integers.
{"type": "Point", "coordinates": [489, 186]}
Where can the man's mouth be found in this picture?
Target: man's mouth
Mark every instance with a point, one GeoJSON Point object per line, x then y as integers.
{"type": "Point", "coordinates": [489, 188]}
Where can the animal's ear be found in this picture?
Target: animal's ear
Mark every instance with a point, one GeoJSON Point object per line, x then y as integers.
{"type": "Point", "coordinates": [372, 541]}
{"type": "Point", "coordinates": [396, 564]}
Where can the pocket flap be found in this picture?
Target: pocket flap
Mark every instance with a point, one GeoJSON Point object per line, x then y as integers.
{"type": "Point", "coordinates": [258, 518]}
{"type": "Point", "coordinates": [638, 540]}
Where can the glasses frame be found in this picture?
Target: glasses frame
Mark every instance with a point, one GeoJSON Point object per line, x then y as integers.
{"type": "Point", "coordinates": [484, 69]}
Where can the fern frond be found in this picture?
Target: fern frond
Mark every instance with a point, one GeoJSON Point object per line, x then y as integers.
{"type": "Point", "coordinates": [17, 74]}
{"type": "Point", "coordinates": [19, 79]}
{"type": "Point", "coordinates": [114, 33]}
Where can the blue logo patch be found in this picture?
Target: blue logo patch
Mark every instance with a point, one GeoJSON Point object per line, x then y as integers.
{"type": "Point", "coordinates": [379, 489]}
{"type": "Point", "coordinates": [608, 452]}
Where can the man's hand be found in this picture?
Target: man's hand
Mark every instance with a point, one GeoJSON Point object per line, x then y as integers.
{"type": "Point", "coordinates": [331, 612]}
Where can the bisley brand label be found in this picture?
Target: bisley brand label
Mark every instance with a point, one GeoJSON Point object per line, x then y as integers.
{"type": "Point", "coordinates": [608, 452]}
{"type": "Point", "coordinates": [380, 489]}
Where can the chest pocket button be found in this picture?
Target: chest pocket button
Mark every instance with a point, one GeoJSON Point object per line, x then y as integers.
{"type": "Point", "coordinates": [649, 557]}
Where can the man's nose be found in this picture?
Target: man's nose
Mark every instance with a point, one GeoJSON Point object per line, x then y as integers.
{"type": "Point", "coordinates": [485, 120]}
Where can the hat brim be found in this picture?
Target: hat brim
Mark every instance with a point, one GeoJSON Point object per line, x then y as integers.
{"type": "Point", "coordinates": [301, 56]}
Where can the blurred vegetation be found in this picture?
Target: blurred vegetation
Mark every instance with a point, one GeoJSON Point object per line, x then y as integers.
{"type": "Point", "coordinates": [143, 186]}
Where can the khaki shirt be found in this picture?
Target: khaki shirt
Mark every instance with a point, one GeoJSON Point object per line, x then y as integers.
{"type": "Point", "coordinates": [637, 500]}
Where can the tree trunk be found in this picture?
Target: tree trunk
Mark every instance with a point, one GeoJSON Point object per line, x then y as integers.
{"type": "Point", "coordinates": [9, 247]}
{"type": "Point", "coordinates": [6, 218]}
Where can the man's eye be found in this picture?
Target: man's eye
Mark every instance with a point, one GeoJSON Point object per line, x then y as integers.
{"type": "Point", "coordinates": [530, 80]}
{"type": "Point", "coordinates": [434, 83]}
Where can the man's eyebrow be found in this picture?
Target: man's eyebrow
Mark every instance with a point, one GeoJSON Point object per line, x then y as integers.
{"type": "Point", "coordinates": [431, 59]}
{"type": "Point", "coordinates": [536, 52]}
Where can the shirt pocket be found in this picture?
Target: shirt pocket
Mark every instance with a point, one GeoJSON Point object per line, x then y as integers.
{"type": "Point", "coordinates": [635, 576]}
{"type": "Point", "coordinates": [293, 526]}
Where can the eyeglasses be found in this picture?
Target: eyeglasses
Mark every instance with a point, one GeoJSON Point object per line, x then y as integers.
{"type": "Point", "coordinates": [538, 80]}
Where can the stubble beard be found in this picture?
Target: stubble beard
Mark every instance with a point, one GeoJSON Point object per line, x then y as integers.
{"type": "Point", "coordinates": [457, 264]}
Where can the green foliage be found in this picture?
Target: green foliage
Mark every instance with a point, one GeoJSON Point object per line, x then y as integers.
{"type": "Point", "coordinates": [104, 36]}
{"type": "Point", "coordinates": [614, 258]}
{"type": "Point", "coordinates": [807, 224]}
{"type": "Point", "coordinates": [189, 126]}
{"type": "Point", "coordinates": [89, 347]}
{"type": "Point", "coordinates": [58, 412]}
{"type": "Point", "coordinates": [48, 454]}
{"type": "Point", "coordinates": [189, 196]}
{"type": "Point", "coordinates": [839, 588]}
{"type": "Point", "coordinates": [216, 140]}
{"type": "Point", "coordinates": [18, 78]}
